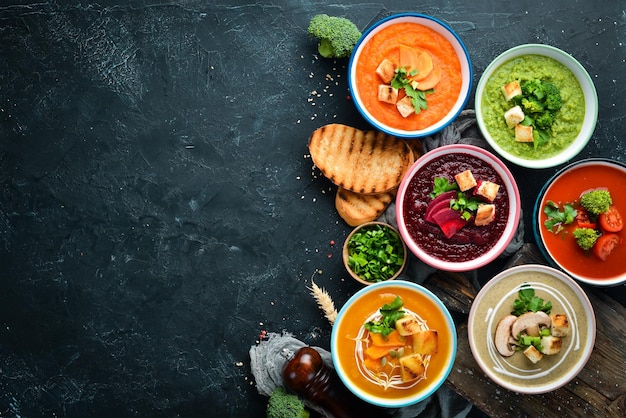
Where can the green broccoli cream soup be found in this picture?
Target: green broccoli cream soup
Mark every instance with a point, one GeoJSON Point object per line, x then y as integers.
{"type": "Point", "coordinates": [569, 118]}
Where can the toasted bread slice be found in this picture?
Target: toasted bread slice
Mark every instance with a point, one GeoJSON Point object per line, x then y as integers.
{"type": "Point", "coordinates": [417, 148]}
{"type": "Point", "coordinates": [367, 162]}
{"type": "Point", "coordinates": [358, 208]}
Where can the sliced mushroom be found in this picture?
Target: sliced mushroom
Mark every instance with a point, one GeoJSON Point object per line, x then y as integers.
{"type": "Point", "coordinates": [503, 338]}
{"type": "Point", "coordinates": [530, 323]}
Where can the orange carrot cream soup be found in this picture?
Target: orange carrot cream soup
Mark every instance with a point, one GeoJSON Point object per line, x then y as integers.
{"type": "Point", "coordinates": [394, 366]}
{"type": "Point", "coordinates": [417, 48]}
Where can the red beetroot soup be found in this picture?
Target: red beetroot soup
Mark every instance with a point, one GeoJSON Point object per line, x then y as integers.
{"type": "Point", "coordinates": [471, 241]}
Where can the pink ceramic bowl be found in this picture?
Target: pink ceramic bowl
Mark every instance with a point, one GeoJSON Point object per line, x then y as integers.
{"type": "Point", "coordinates": [472, 246]}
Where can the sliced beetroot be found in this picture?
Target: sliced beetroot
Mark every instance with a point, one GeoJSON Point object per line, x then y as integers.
{"type": "Point", "coordinates": [438, 203]}
{"type": "Point", "coordinates": [449, 220]}
{"type": "Point", "coordinates": [434, 208]}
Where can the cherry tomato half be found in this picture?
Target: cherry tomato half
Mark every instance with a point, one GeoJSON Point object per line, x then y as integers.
{"type": "Point", "coordinates": [583, 220]}
{"type": "Point", "coordinates": [605, 245]}
{"type": "Point", "coordinates": [611, 220]}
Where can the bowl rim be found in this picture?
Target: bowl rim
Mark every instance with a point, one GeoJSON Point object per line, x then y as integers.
{"type": "Point", "coordinates": [515, 208]}
{"type": "Point", "coordinates": [466, 86]}
{"type": "Point", "coordinates": [435, 384]}
{"type": "Point", "coordinates": [536, 226]}
{"type": "Point", "coordinates": [344, 251]}
{"type": "Point", "coordinates": [585, 81]}
{"type": "Point", "coordinates": [588, 343]}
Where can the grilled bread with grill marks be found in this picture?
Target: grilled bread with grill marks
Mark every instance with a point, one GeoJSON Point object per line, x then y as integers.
{"type": "Point", "coordinates": [366, 162]}
{"type": "Point", "coordinates": [358, 208]}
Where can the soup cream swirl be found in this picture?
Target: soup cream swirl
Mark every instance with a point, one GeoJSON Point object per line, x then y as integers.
{"type": "Point", "coordinates": [389, 377]}
{"type": "Point", "coordinates": [507, 366]}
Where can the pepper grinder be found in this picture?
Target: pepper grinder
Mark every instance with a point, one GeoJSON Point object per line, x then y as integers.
{"type": "Point", "coordinates": [308, 376]}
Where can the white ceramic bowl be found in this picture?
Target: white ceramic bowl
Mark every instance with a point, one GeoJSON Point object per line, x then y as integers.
{"type": "Point", "coordinates": [541, 159]}
{"type": "Point", "coordinates": [431, 246]}
{"type": "Point", "coordinates": [516, 373]}
{"type": "Point", "coordinates": [458, 49]}
{"type": "Point", "coordinates": [560, 249]}
{"type": "Point", "coordinates": [348, 338]}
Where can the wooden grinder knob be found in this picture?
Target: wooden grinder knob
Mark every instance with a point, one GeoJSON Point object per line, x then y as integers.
{"type": "Point", "coordinates": [307, 375]}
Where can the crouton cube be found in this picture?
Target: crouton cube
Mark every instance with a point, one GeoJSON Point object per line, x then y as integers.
{"type": "Point", "coordinates": [387, 94]}
{"type": "Point", "coordinates": [465, 180]}
{"type": "Point", "coordinates": [488, 190]}
{"type": "Point", "coordinates": [405, 107]}
{"type": "Point", "coordinates": [550, 344]}
{"type": "Point", "coordinates": [412, 367]}
{"type": "Point", "coordinates": [511, 90]}
{"type": "Point", "coordinates": [485, 214]}
{"type": "Point", "coordinates": [407, 325]}
{"type": "Point", "coordinates": [533, 354]}
{"type": "Point", "coordinates": [513, 116]}
{"type": "Point", "coordinates": [386, 70]}
{"type": "Point", "coordinates": [523, 133]}
{"type": "Point", "coordinates": [560, 325]}
{"type": "Point", "coordinates": [426, 342]}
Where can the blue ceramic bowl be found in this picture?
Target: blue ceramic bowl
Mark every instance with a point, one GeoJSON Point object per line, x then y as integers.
{"type": "Point", "coordinates": [566, 186]}
{"type": "Point", "coordinates": [459, 49]}
{"type": "Point", "coordinates": [349, 340]}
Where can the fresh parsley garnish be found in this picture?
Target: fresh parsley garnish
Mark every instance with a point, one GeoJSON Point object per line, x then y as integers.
{"type": "Point", "coordinates": [442, 185]}
{"type": "Point", "coordinates": [557, 216]}
{"type": "Point", "coordinates": [402, 80]}
{"type": "Point", "coordinates": [529, 302]}
{"type": "Point", "coordinates": [390, 312]}
{"type": "Point", "coordinates": [467, 206]}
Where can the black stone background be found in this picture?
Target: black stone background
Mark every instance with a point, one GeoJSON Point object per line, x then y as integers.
{"type": "Point", "coordinates": [158, 210]}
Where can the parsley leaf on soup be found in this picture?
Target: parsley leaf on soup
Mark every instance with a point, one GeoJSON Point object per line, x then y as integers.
{"type": "Point", "coordinates": [442, 185]}
{"type": "Point", "coordinates": [527, 301]}
{"type": "Point", "coordinates": [557, 216]}
{"type": "Point", "coordinates": [402, 80]}
{"type": "Point", "coordinates": [465, 205]}
{"type": "Point", "coordinates": [390, 312]}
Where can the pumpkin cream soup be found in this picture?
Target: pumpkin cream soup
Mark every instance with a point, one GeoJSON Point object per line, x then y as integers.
{"type": "Point", "coordinates": [418, 58]}
{"type": "Point", "coordinates": [394, 343]}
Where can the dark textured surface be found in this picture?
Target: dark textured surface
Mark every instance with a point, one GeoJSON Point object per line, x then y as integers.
{"type": "Point", "coordinates": [157, 207]}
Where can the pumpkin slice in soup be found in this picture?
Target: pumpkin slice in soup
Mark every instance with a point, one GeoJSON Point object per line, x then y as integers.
{"type": "Point", "coordinates": [431, 81]}
{"type": "Point", "coordinates": [390, 340]}
{"type": "Point", "coordinates": [416, 59]}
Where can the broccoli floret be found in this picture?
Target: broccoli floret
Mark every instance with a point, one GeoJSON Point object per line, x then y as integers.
{"type": "Point", "coordinates": [532, 87]}
{"type": "Point", "coordinates": [585, 237]}
{"type": "Point", "coordinates": [285, 405]}
{"type": "Point", "coordinates": [531, 105]}
{"type": "Point", "coordinates": [544, 120]}
{"type": "Point", "coordinates": [337, 36]}
{"type": "Point", "coordinates": [553, 99]}
{"type": "Point", "coordinates": [596, 201]}
{"type": "Point", "coordinates": [540, 100]}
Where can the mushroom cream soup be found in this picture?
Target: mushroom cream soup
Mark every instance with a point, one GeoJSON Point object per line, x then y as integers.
{"type": "Point", "coordinates": [518, 369]}
{"type": "Point", "coordinates": [568, 121]}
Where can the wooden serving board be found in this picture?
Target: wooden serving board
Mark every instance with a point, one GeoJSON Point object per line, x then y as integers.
{"type": "Point", "coordinates": [598, 390]}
